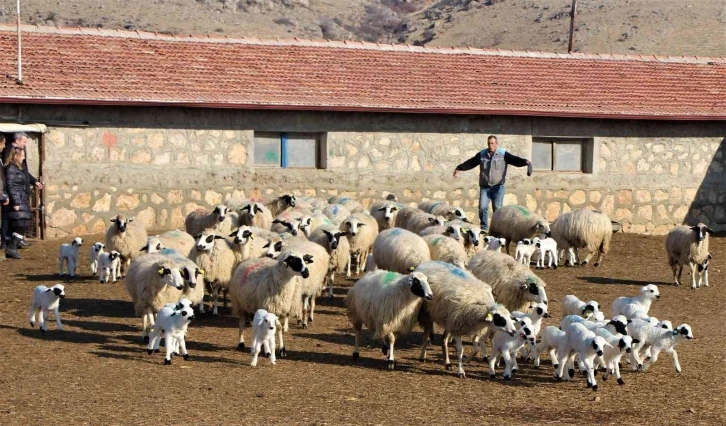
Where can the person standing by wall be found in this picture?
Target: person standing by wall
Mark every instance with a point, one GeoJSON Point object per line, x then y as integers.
{"type": "Point", "coordinates": [18, 212]}
{"type": "Point", "coordinates": [493, 163]}
{"type": "Point", "coordinates": [20, 139]}
{"type": "Point", "coordinates": [4, 199]}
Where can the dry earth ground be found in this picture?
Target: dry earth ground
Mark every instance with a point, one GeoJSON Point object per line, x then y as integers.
{"type": "Point", "coordinates": [97, 371]}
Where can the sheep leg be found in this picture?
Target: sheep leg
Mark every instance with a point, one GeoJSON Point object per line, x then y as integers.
{"type": "Point", "coordinates": [113, 274]}
{"type": "Point", "coordinates": [590, 370]}
{"type": "Point", "coordinates": [168, 345]}
{"type": "Point", "coordinates": [215, 299]}
{"type": "Point", "coordinates": [356, 349]}
{"type": "Point", "coordinates": [492, 364]}
{"type": "Point", "coordinates": [331, 283]}
{"type": "Point", "coordinates": [616, 369]}
{"type": "Point", "coordinates": [60, 266]}
{"type": "Point", "coordinates": [255, 352]}
{"type": "Point", "coordinates": [391, 359]}
{"type": "Point", "coordinates": [426, 333]}
{"type": "Point", "coordinates": [692, 266]}
{"type": "Point", "coordinates": [305, 311]}
{"type": "Point", "coordinates": [599, 258]}
{"type": "Point", "coordinates": [445, 347]}
{"type": "Point", "coordinates": [283, 352]}
{"type": "Point", "coordinates": [508, 364]}
{"type": "Point", "coordinates": [31, 314]}
{"type": "Point", "coordinates": [347, 272]}
{"type": "Point", "coordinates": [144, 325]}
{"type": "Point", "coordinates": [475, 348]}
{"type": "Point", "coordinates": [672, 352]}
{"type": "Point", "coordinates": [460, 356]}
{"type": "Point", "coordinates": [271, 348]}
{"type": "Point", "coordinates": [242, 324]}
{"type": "Point", "coordinates": [680, 272]}
{"type": "Point", "coordinates": [364, 260]}
{"type": "Point", "coordinates": [587, 258]}
{"type": "Point", "coordinates": [312, 308]}
{"type": "Point", "coordinates": [57, 319]}
{"type": "Point", "coordinates": [72, 267]}
{"type": "Point", "coordinates": [562, 362]}
{"type": "Point", "coordinates": [285, 325]}
{"type": "Point", "coordinates": [182, 347]}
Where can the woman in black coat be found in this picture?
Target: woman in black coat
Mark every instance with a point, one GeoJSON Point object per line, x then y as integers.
{"type": "Point", "coordinates": [19, 215]}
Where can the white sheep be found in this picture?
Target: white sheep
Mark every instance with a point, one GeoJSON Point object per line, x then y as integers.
{"type": "Point", "coordinates": [338, 247]}
{"type": "Point", "coordinates": [176, 240]}
{"type": "Point", "coordinates": [584, 343]}
{"type": "Point", "coordinates": [525, 250]}
{"type": "Point", "coordinates": [446, 249]}
{"type": "Point", "coordinates": [539, 311]}
{"type": "Point", "coordinates": [193, 291]}
{"type": "Point", "coordinates": [317, 260]}
{"type": "Point", "coordinates": [245, 246]}
{"type": "Point", "coordinates": [126, 237]}
{"type": "Point", "coordinates": [571, 305]}
{"type": "Point", "coordinates": [203, 219]}
{"type": "Point", "coordinates": [45, 300]}
{"type": "Point", "coordinates": [421, 221]}
{"type": "Point", "coordinates": [551, 338]}
{"type": "Point", "coordinates": [667, 343]}
{"type": "Point", "coordinates": [400, 250]}
{"type": "Point", "coordinates": [703, 271]}
{"type": "Point", "coordinates": [109, 266]}
{"type": "Point", "coordinates": [385, 213]}
{"type": "Point", "coordinates": [269, 284]}
{"type": "Point", "coordinates": [255, 214]}
{"type": "Point", "coordinates": [173, 324]}
{"type": "Point", "coordinates": [513, 285]}
{"type": "Point", "coordinates": [495, 244]}
{"type": "Point", "coordinates": [508, 346]}
{"type": "Point", "coordinates": [336, 213]}
{"type": "Point", "coordinates": [454, 231]}
{"type": "Point", "coordinates": [218, 258]}
{"type": "Point", "coordinates": [516, 223]}
{"type": "Point", "coordinates": [273, 248]}
{"type": "Point", "coordinates": [96, 250]}
{"type": "Point", "coordinates": [547, 246]}
{"type": "Point", "coordinates": [441, 208]}
{"type": "Point", "coordinates": [68, 254]}
{"type": "Point", "coordinates": [646, 332]}
{"type": "Point", "coordinates": [388, 304]}
{"type": "Point", "coordinates": [361, 230]}
{"type": "Point", "coordinates": [687, 245]}
{"type": "Point", "coordinates": [583, 228]}
{"type": "Point", "coordinates": [291, 226]}
{"type": "Point", "coordinates": [404, 215]}
{"type": "Point", "coordinates": [619, 345]}
{"type": "Point", "coordinates": [280, 204]}
{"type": "Point", "coordinates": [471, 237]}
{"type": "Point", "coordinates": [648, 293]}
{"type": "Point", "coordinates": [347, 202]}
{"type": "Point", "coordinates": [264, 327]}
{"type": "Point", "coordinates": [463, 305]}
{"type": "Point", "coordinates": [616, 325]}
{"type": "Point", "coordinates": [147, 281]}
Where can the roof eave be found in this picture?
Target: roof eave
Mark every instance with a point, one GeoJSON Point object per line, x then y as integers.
{"type": "Point", "coordinates": [338, 108]}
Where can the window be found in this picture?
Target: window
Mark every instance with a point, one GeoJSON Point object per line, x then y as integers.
{"type": "Point", "coordinates": [289, 150]}
{"type": "Point", "coordinates": [562, 154]}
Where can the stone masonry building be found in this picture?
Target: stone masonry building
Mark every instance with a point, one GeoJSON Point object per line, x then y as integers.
{"type": "Point", "coordinates": [156, 126]}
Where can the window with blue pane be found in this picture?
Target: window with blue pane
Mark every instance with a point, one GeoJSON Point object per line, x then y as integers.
{"type": "Point", "coordinates": [288, 150]}
{"type": "Point", "coordinates": [563, 154]}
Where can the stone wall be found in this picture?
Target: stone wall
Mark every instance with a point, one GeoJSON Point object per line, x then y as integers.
{"type": "Point", "coordinates": [160, 164]}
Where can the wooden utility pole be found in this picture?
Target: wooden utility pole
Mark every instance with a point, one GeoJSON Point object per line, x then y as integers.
{"type": "Point", "coordinates": [572, 25]}
{"type": "Point", "coordinates": [20, 55]}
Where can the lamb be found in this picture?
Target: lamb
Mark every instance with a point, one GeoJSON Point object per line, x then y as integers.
{"type": "Point", "coordinates": [311, 287]}
{"type": "Point", "coordinates": [218, 258]}
{"type": "Point", "coordinates": [539, 311]}
{"type": "Point", "coordinates": [495, 244]}
{"type": "Point", "coordinates": [361, 230]}
{"type": "Point", "coordinates": [551, 339]}
{"type": "Point", "coordinates": [388, 303]}
{"type": "Point", "coordinates": [421, 221]}
{"type": "Point", "coordinates": [508, 346]}
{"type": "Point", "coordinates": [109, 266]}
{"type": "Point", "coordinates": [176, 240]}
{"type": "Point", "coordinates": [612, 354]}
{"type": "Point", "coordinates": [385, 213]}
{"type": "Point", "coordinates": [571, 305]}
{"type": "Point", "coordinates": [255, 214]}
{"type": "Point", "coordinates": [616, 325]}
{"type": "Point", "coordinates": [45, 300]}
{"type": "Point", "coordinates": [646, 333]}
{"type": "Point", "coordinates": [547, 246]}
{"type": "Point", "coordinates": [202, 219]}
{"type": "Point", "coordinates": [96, 250]}
{"type": "Point", "coordinates": [446, 249]}
{"type": "Point", "coordinates": [516, 223]}
{"type": "Point", "coordinates": [703, 271]}
{"type": "Point", "coordinates": [687, 245]}
{"type": "Point", "coordinates": [667, 342]}
{"type": "Point", "coordinates": [264, 327]}
{"type": "Point", "coordinates": [272, 285]}
{"type": "Point", "coordinates": [338, 247]}
{"type": "Point", "coordinates": [513, 285]}
{"type": "Point", "coordinates": [280, 204]}
{"type": "Point", "coordinates": [147, 281]}
{"type": "Point", "coordinates": [68, 254]}
{"type": "Point", "coordinates": [400, 250]}
{"type": "Point", "coordinates": [336, 213]}
{"type": "Point", "coordinates": [584, 343]}
{"type": "Point", "coordinates": [173, 324]}
{"type": "Point", "coordinates": [127, 238]}
{"type": "Point", "coordinates": [525, 250]}
{"type": "Point", "coordinates": [440, 208]}
{"type": "Point", "coordinates": [462, 305]}
{"type": "Point", "coordinates": [583, 228]}
{"type": "Point", "coordinates": [648, 293]}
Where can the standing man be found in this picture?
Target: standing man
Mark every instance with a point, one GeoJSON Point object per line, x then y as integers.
{"type": "Point", "coordinates": [493, 163]}
{"type": "Point", "coordinates": [20, 139]}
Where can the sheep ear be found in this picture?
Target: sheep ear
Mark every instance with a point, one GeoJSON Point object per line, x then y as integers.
{"type": "Point", "coordinates": [394, 209]}
{"type": "Point", "coordinates": [343, 234]}
{"type": "Point", "coordinates": [50, 289]}
{"type": "Point", "coordinates": [381, 209]}
{"type": "Point", "coordinates": [277, 221]}
{"type": "Point", "coordinates": [432, 220]}
{"type": "Point", "coordinates": [266, 245]}
{"type": "Point", "coordinates": [234, 233]}
{"type": "Point", "coordinates": [131, 220]}
{"type": "Point", "coordinates": [113, 220]}
{"type": "Point", "coordinates": [145, 248]}
{"type": "Point", "coordinates": [636, 340]}
{"type": "Point", "coordinates": [709, 231]}
{"type": "Point", "coordinates": [218, 237]}
{"type": "Point", "coordinates": [308, 258]}
{"type": "Point", "coordinates": [361, 224]}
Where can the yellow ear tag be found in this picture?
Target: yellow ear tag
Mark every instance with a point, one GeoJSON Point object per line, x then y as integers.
{"type": "Point", "coordinates": [411, 268]}
{"type": "Point", "coordinates": [161, 271]}
{"type": "Point", "coordinates": [490, 316]}
{"type": "Point", "coordinates": [201, 271]}
{"type": "Point", "coordinates": [252, 237]}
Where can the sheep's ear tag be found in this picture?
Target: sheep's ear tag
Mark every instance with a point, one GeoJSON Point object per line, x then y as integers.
{"type": "Point", "coordinates": [201, 271]}
{"type": "Point", "coordinates": [490, 316]}
{"type": "Point", "coordinates": [411, 268]}
{"type": "Point", "coordinates": [675, 332]}
{"type": "Point", "coordinates": [252, 236]}
{"type": "Point", "coordinates": [160, 271]}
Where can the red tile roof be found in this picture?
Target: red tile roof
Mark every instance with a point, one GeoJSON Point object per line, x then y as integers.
{"type": "Point", "coordinates": [99, 67]}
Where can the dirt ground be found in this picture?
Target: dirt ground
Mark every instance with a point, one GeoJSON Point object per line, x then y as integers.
{"type": "Point", "coordinates": [97, 371]}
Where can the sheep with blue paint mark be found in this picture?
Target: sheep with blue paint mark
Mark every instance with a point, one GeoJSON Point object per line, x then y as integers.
{"type": "Point", "coordinates": [421, 221]}
{"type": "Point", "coordinates": [388, 304]}
{"type": "Point", "coordinates": [337, 213]}
{"type": "Point", "coordinates": [442, 208]}
{"type": "Point", "coordinates": [385, 212]}
{"type": "Point", "coordinates": [446, 249]}
{"type": "Point", "coordinates": [349, 203]}
{"type": "Point", "coordinates": [400, 250]}
{"type": "Point", "coordinates": [176, 240]}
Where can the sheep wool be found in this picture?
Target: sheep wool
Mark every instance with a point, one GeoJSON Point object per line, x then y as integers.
{"type": "Point", "coordinates": [44, 301]}
{"type": "Point", "coordinates": [446, 249]}
{"type": "Point", "coordinates": [126, 237]}
{"type": "Point", "coordinates": [584, 228]}
{"type": "Point", "coordinates": [441, 208]}
{"type": "Point", "coordinates": [515, 223]}
{"type": "Point", "coordinates": [177, 240]}
{"type": "Point", "coordinates": [361, 230]}
{"type": "Point", "coordinates": [338, 247]}
{"type": "Point", "coordinates": [687, 245]}
{"type": "Point", "coordinates": [400, 250]}
{"type": "Point", "coordinates": [312, 286]}
{"type": "Point", "coordinates": [218, 258]}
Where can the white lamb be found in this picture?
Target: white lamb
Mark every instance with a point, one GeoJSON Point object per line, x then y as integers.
{"type": "Point", "coordinates": [648, 293]}
{"type": "Point", "coordinates": [547, 246]}
{"type": "Point", "coordinates": [496, 244]}
{"type": "Point", "coordinates": [571, 305]}
{"type": "Point", "coordinates": [68, 254]}
{"type": "Point", "coordinates": [388, 304]}
{"type": "Point", "coordinates": [264, 327]}
{"type": "Point", "coordinates": [584, 343]}
{"type": "Point", "coordinates": [551, 338]}
{"type": "Point", "coordinates": [45, 300]}
{"type": "Point", "coordinates": [508, 346]}
{"type": "Point", "coordinates": [667, 342]}
{"type": "Point", "coordinates": [109, 266]}
{"type": "Point", "coordinates": [619, 345]}
{"type": "Point", "coordinates": [646, 332]}
{"type": "Point", "coordinates": [96, 250]}
{"type": "Point", "coordinates": [525, 250]}
{"type": "Point", "coordinates": [173, 324]}
{"type": "Point", "coordinates": [539, 311]}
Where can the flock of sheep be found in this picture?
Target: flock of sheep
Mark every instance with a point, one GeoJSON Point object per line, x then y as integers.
{"type": "Point", "coordinates": [422, 265]}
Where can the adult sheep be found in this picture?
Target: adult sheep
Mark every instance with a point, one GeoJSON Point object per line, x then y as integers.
{"type": "Point", "coordinates": [463, 305]}
{"type": "Point", "coordinates": [338, 248]}
{"type": "Point", "coordinates": [385, 212]}
{"type": "Point", "coordinates": [513, 284]}
{"type": "Point", "coordinates": [446, 249]}
{"type": "Point", "coordinates": [336, 213]}
{"type": "Point", "coordinates": [175, 240]}
{"type": "Point", "coordinates": [312, 286]}
{"type": "Point", "coordinates": [126, 237]}
{"type": "Point", "coordinates": [218, 258]}
{"type": "Point", "coordinates": [516, 223]}
{"type": "Point", "coordinates": [347, 202]}
{"type": "Point", "coordinates": [399, 250]}
{"type": "Point", "coordinates": [388, 304]}
{"type": "Point", "coordinates": [220, 219]}
{"type": "Point", "coordinates": [583, 228]}
{"type": "Point", "coordinates": [280, 204]}
{"type": "Point", "coordinates": [361, 230]}
{"type": "Point", "coordinates": [441, 208]}
{"type": "Point", "coordinates": [688, 245]}
{"type": "Point", "coordinates": [255, 214]}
